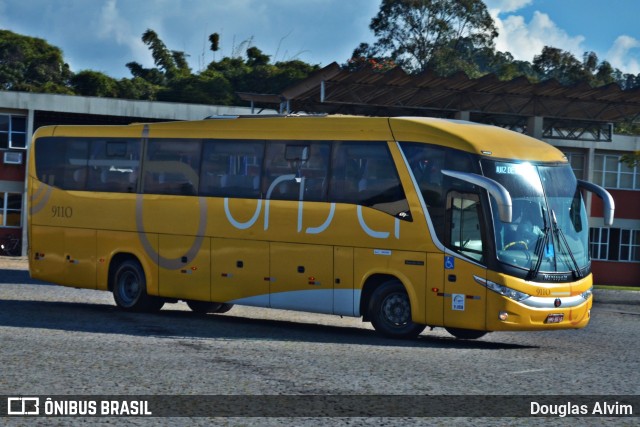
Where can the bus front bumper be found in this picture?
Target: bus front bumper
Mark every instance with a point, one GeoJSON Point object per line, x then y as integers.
{"type": "Point", "coordinates": [538, 314]}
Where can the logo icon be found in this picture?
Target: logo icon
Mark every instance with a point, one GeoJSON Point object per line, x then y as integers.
{"type": "Point", "coordinates": [23, 406]}
{"type": "Point", "coordinates": [449, 263]}
{"type": "Point", "coordinates": [457, 302]}
{"type": "Point", "coordinates": [557, 303]}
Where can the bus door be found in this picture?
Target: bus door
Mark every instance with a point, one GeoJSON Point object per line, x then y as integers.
{"type": "Point", "coordinates": [301, 277]}
{"type": "Point", "coordinates": [464, 298]}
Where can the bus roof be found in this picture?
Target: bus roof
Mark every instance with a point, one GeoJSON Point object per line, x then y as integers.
{"type": "Point", "coordinates": [485, 140]}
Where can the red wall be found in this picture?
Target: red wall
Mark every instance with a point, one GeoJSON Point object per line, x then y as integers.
{"type": "Point", "coordinates": [11, 172]}
{"type": "Point", "coordinates": [616, 273]}
{"type": "Point", "coordinates": [627, 204]}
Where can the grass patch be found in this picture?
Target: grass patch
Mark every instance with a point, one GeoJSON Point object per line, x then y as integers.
{"type": "Point", "coordinates": [618, 288]}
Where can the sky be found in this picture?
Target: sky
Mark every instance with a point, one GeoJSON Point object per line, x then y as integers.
{"type": "Point", "coordinates": [104, 35]}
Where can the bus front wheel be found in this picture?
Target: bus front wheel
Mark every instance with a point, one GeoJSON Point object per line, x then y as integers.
{"type": "Point", "coordinates": [390, 311]}
{"type": "Point", "coordinates": [130, 288]}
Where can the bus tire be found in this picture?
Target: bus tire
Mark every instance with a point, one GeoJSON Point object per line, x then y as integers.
{"type": "Point", "coordinates": [224, 307]}
{"type": "Point", "coordinates": [466, 334]}
{"type": "Point", "coordinates": [204, 307]}
{"type": "Point", "coordinates": [130, 288]}
{"type": "Point", "coordinates": [390, 311]}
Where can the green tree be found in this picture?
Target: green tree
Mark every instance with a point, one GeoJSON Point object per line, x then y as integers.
{"type": "Point", "coordinates": [172, 80]}
{"type": "Point", "coordinates": [288, 73]}
{"type": "Point", "coordinates": [208, 87]}
{"type": "Point", "coordinates": [152, 75]}
{"type": "Point", "coordinates": [429, 34]}
{"type": "Point", "coordinates": [32, 65]}
{"type": "Point", "coordinates": [255, 73]}
{"type": "Point", "coordinates": [554, 63]}
{"type": "Point", "coordinates": [503, 65]}
{"type": "Point", "coordinates": [172, 63]}
{"type": "Point", "coordinates": [214, 39]}
{"type": "Point", "coordinates": [626, 80]}
{"type": "Point", "coordinates": [631, 159]}
{"type": "Point", "coordinates": [137, 88]}
{"type": "Point", "coordinates": [94, 83]}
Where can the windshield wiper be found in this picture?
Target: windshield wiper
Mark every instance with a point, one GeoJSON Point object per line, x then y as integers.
{"type": "Point", "coordinates": [563, 239]}
{"type": "Point", "coordinates": [541, 248]}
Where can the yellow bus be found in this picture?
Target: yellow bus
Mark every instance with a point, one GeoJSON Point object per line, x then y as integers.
{"type": "Point", "coordinates": [406, 222]}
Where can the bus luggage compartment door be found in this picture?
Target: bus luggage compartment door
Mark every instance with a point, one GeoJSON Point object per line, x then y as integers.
{"type": "Point", "coordinates": [240, 271]}
{"type": "Point", "coordinates": [182, 274]}
{"type": "Point", "coordinates": [301, 277]}
{"type": "Point", "coordinates": [66, 256]}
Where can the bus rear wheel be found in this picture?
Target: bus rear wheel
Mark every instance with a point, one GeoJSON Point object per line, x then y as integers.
{"type": "Point", "coordinates": [390, 311]}
{"type": "Point", "coordinates": [466, 334]}
{"type": "Point", "coordinates": [204, 307]}
{"type": "Point", "coordinates": [130, 288]}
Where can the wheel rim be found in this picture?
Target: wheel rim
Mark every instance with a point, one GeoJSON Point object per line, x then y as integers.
{"type": "Point", "coordinates": [396, 309]}
{"type": "Point", "coordinates": [128, 287]}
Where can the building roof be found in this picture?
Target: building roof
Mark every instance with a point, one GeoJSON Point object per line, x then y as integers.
{"type": "Point", "coordinates": [60, 109]}
{"type": "Point", "coordinates": [335, 90]}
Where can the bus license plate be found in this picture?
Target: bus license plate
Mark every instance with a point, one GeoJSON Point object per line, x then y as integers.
{"type": "Point", "coordinates": [554, 318]}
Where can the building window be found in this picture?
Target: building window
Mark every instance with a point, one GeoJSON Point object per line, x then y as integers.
{"type": "Point", "coordinates": [599, 243]}
{"type": "Point", "coordinates": [10, 209]}
{"type": "Point", "coordinates": [614, 244]}
{"type": "Point", "coordinates": [630, 245]}
{"type": "Point", "coordinates": [609, 172]}
{"type": "Point", "coordinates": [576, 160]}
{"type": "Point", "coordinates": [13, 131]}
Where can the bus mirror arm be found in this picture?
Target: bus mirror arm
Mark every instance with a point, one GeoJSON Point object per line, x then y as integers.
{"type": "Point", "coordinates": [502, 196]}
{"type": "Point", "coordinates": [609, 205]}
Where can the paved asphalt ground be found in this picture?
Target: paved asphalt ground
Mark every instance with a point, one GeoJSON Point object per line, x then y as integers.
{"type": "Point", "coordinates": [62, 341]}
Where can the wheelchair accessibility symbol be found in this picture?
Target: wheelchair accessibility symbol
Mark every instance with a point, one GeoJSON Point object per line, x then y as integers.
{"type": "Point", "coordinates": [449, 263]}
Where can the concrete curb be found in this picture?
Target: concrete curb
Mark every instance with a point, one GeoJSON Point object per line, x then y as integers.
{"type": "Point", "coordinates": [608, 296]}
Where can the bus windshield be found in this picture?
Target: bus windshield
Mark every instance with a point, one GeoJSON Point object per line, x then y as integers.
{"type": "Point", "coordinates": [549, 229]}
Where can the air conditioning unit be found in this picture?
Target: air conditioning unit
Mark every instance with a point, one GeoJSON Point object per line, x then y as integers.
{"type": "Point", "coordinates": [12, 158]}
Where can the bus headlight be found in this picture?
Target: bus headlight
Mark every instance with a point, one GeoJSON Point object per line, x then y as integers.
{"type": "Point", "coordinates": [586, 294]}
{"type": "Point", "coordinates": [502, 290]}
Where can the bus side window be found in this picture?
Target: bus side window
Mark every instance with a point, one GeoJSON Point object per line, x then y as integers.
{"type": "Point", "coordinates": [277, 167]}
{"type": "Point", "coordinates": [231, 169]}
{"type": "Point", "coordinates": [346, 171]}
{"type": "Point", "coordinates": [172, 167]}
{"type": "Point", "coordinates": [62, 162]}
{"type": "Point", "coordinates": [114, 166]}
{"type": "Point", "coordinates": [315, 171]}
{"type": "Point", "coordinates": [463, 218]}
{"type": "Point", "coordinates": [365, 174]}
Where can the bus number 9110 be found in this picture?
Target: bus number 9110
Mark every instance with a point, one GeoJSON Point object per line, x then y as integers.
{"type": "Point", "coordinates": [61, 211]}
